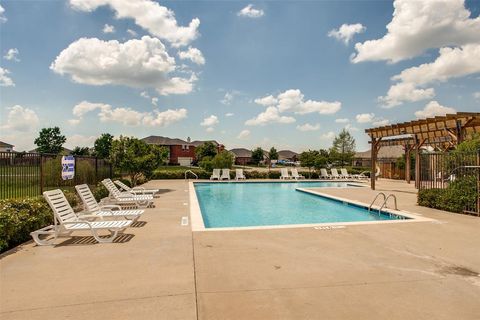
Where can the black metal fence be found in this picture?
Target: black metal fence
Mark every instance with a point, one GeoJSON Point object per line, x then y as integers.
{"type": "Point", "coordinates": [29, 174]}
{"type": "Point", "coordinates": [453, 170]}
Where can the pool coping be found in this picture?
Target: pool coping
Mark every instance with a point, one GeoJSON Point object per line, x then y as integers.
{"type": "Point", "coordinates": [197, 224]}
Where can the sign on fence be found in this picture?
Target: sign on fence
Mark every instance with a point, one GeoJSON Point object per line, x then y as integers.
{"type": "Point", "coordinates": [68, 167]}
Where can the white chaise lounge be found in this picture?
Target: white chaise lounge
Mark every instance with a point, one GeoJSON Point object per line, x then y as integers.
{"type": "Point", "coordinates": [67, 222]}
{"type": "Point", "coordinates": [93, 208]}
{"type": "Point", "coordinates": [335, 174]}
{"type": "Point", "coordinates": [239, 174]}
{"type": "Point", "coordinates": [137, 190]}
{"type": "Point", "coordinates": [295, 174]}
{"type": "Point", "coordinates": [120, 198]}
{"type": "Point", "coordinates": [225, 174]}
{"type": "Point", "coordinates": [344, 174]}
{"type": "Point", "coordinates": [284, 174]}
{"type": "Point", "coordinates": [215, 174]}
{"type": "Point", "coordinates": [324, 174]}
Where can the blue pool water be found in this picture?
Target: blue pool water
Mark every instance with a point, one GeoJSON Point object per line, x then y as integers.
{"type": "Point", "coordinates": [274, 203]}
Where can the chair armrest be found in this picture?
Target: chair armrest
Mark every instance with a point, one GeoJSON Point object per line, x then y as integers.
{"type": "Point", "coordinates": [75, 222]}
{"type": "Point", "coordinates": [89, 216]}
{"type": "Point", "coordinates": [110, 207]}
{"type": "Point", "coordinates": [138, 188]}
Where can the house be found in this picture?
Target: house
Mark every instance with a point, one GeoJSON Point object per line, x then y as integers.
{"type": "Point", "coordinates": [65, 151]}
{"type": "Point", "coordinates": [181, 152]}
{"type": "Point", "coordinates": [6, 147]}
{"type": "Point", "coordinates": [386, 159]}
{"type": "Point", "coordinates": [287, 155]}
{"type": "Point", "coordinates": [242, 156]}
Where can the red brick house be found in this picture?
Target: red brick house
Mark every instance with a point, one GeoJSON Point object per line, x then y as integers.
{"type": "Point", "coordinates": [242, 156]}
{"type": "Point", "coordinates": [181, 152]}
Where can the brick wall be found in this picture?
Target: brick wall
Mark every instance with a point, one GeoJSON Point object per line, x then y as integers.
{"type": "Point", "coordinates": [180, 151]}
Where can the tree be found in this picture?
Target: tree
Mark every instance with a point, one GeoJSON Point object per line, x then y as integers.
{"type": "Point", "coordinates": [50, 140]}
{"type": "Point", "coordinates": [273, 154]}
{"type": "Point", "coordinates": [136, 158]}
{"type": "Point", "coordinates": [257, 155]}
{"type": "Point", "coordinates": [343, 148]}
{"type": "Point", "coordinates": [222, 160]}
{"type": "Point", "coordinates": [81, 151]}
{"type": "Point", "coordinates": [207, 149]}
{"type": "Point", "coordinates": [103, 145]}
{"type": "Point", "coordinates": [308, 158]}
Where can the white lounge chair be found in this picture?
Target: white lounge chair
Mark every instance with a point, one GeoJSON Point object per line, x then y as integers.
{"type": "Point", "coordinates": [67, 222]}
{"type": "Point", "coordinates": [284, 174]}
{"type": "Point", "coordinates": [136, 190]}
{"type": "Point", "coordinates": [335, 174]}
{"type": "Point", "coordinates": [324, 174]}
{"type": "Point", "coordinates": [239, 174]}
{"type": "Point", "coordinates": [117, 197]}
{"type": "Point", "coordinates": [344, 174]}
{"type": "Point", "coordinates": [361, 176]}
{"type": "Point", "coordinates": [215, 174]}
{"type": "Point", "coordinates": [225, 174]}
{"type": "Point", "coordinates": [295, 174]}
{"type": "Point", "coordinates": [93, 208]}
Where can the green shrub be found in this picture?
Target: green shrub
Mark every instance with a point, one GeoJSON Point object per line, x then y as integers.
{"type": "Point", "coordinates": [176, 174]}
{"type": "Point", "coordinates": [20, 217]}
{"type": "Point", "coordinates": [206, 164]}
{"type": "Point", "coordinates": [100, 192]}
{"type": "Point", "coordinates": [222, 160]}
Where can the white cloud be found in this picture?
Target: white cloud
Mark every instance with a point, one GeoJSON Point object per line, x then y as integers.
{"type": "Point", "coordinates": [74, 122]}
{"type": "Point", "coordinates": [293, 101]}
{"type": "Point", "coordinates": [308, 127]}
{"type": "Point", "coordinates": [433, 108]}
{"type": "Point", "coordinates": [266, 101]}
{"type": "Point", "coordinates": [349, 127]}
{"type": "Point", "coordinates": [476, 95]}
{"type": "Point", "coordinates": [151, 16]}
{"type": "Point", "coordinates": [131, 32]}
{"type": "Point", "coordinates": [128, 116]}
{"type": "Point", "coordinates": [108, 28]}
{"type": "Point", "coordinates": [209, 121]}
{"type": "Point", "coordinates": [2, 16]}
{"type": "Point", "coordinates": [229, 114]}
{"type": "Point", "coordinates": [270, 115]}
{"type": "Point", "coordinates": [12, 54]}
{"type": "Point", "coordinates": [145, 94]}
{"type": "Point", "coordinates": [250, 12]}
{"type": "Point", "coordinates": [210, 129]}
{"type": "Point", "coordinates": [138, 63]}
{"type": "Point", "coordinates": [78, 140]}
{"type": "Point", "coordinates": [365, 117]}
{"type": "Point", "coordinates": [20, 119]}
{"type": "Point", "coordinates": [192, 54]}
{"type": "Point", "coordinates": [346, 32]}
{"type": "Point", "coordinates": [155, 101]}
{"type": "Point", "coordinates": [342, 120]}
{"type": "Point", "coordinates": [380, 122]}
{"type": "Point", "coordinates": [243, 134]}
{"type": "Point", "coordinates": [228, 98]}
{"type": "Point", "coordinates": [451, 63]}
{"type": "Point", "coordinates": [328, 136]}
{"type": "Point", "coordinates": [5, 80]}
{"type": "Point", "coordinates": [420, 25]}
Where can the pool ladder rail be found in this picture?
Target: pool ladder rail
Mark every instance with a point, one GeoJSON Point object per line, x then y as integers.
{"type": "Point", "coordinates": [190, 171]}
{"type": "Point", "coordinates": [384, 203]}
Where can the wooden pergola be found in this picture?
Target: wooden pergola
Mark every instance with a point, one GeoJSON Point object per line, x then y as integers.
{"type": "Point", "coordinates": [440, 132]}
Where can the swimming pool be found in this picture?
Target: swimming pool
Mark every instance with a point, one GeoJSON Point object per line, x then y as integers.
{"type": "Point", "coordinates": [253, 204]}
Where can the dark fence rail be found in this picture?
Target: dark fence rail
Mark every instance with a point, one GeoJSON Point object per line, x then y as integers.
{"type": "Point", "coordinates": [444, 170]}
{"type": "Point", "coordinates": [29, 174]}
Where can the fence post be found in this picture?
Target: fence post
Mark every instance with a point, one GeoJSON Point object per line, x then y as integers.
{"type": "Point", "coordinates": [478, 183]}
{"type": "Point", "coordinates": [41, 174]}
{"type": "Point", "coordinates": [96, 170]}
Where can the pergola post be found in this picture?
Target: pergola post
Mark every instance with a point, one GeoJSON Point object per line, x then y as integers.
{"type": "Point", "coordinates": [374, 151]}
{"type": "Point", "coordinates": [407, 163]}
{"type": "Point", "coordinates": [418, 145]}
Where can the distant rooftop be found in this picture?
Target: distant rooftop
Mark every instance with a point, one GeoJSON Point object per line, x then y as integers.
{"type": "Point", "coordinates": [164, 141]}
{"type": "Point", "coordinates": [385, 152]}
{"type": "Point", "coordinates": [6, 145]}
{"type": "Point", "coordinates": [241, 152]}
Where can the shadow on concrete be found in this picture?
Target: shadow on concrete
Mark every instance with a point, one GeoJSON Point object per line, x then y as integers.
{"type": "Point", "coordinates": [89, 240]}
{"type": "Point", "coordinates": [163, 191]}
{"type": "Point", "coordinates": [138, 224]}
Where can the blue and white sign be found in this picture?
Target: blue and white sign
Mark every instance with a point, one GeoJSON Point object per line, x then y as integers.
{"type": "Point", "coordinates": [68, 167]}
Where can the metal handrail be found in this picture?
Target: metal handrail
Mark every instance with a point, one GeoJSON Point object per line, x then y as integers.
{"type": "Point", "coordinates": [385, 202]}
{"type": "Point", "coordinates": [196, 177]}
{"type": "Point", "coordinates": [374, 199]}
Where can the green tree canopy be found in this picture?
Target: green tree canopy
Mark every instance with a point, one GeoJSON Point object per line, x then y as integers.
{"type": "Point", "coordinates": [207, 149]}
{"type": "Point", "coordinates": [103, 145]}
{"type": "Point", "coordinates": [257, 155]}
{"type": "Point", "coordinates": [223, 160]}
{"type": "Point", "coordinates": [136, 158]}
{"type": "Point", "coordinates": [273, 154]}
{"type": "Point", "coordinates": [81, 151]}
{"type": "Point", "coordinates": [343, 148]}
{"type": "Point", "coordinates": [50, 140]}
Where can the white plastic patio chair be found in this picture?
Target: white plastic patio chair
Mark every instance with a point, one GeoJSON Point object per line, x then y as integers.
{"type": "Point", "coordinates": [67, 222]}
{"type": "Point", "coordinates": [225, 174]}
{"type": "Point", "coordinates": [284, 174]}
{"type": "Point", "coordinates": [215, 174]}
{"type": "Point", "coordinates": [117, 197]}
{"type": "Point", "coordinates": [324, 174]}
{"type": "Point", "coordinates": [295, 174]}
{"type": "Point", "coordinates": [344, 174]}
{"type": "Point", "coordinates": [93, 208]}
{"type": "Point", "coordinates": [136, 190]}
{"type": "Point", "coordinates": [335, 174]}
{"type": "Point", "coordinates": [239, 174]}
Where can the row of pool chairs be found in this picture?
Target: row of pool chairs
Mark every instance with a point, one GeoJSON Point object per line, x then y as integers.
{"type": "Point", "coordinates": [123, 207]}
{"type": "Point", "coordinates": [342, 175]}
{"type": "Point", "coordinates": [224, 174]}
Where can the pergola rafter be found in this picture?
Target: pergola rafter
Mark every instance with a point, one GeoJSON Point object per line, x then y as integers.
{"type": "Point", "coordinates": [443, 132]}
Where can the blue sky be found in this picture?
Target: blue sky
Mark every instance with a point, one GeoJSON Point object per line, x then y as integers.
{"type": "Point", "coordinates": [276, 73]}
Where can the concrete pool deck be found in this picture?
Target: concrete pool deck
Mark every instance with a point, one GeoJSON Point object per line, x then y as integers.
{"type": "Point", "coordinates": [162, 270]}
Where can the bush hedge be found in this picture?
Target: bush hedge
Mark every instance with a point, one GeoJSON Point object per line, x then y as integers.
{"type": "Point", "coordinates": [456, 197]}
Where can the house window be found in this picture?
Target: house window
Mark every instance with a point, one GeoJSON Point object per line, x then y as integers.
{"type": "Point", "coordinates": [184, 147]}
